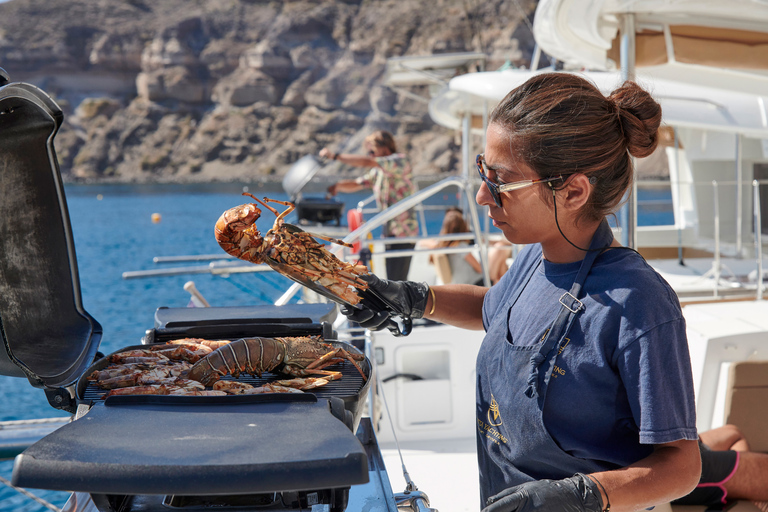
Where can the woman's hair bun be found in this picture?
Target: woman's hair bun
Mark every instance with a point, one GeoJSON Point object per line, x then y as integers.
{"type": "Point", "coordinates": [640, 118]}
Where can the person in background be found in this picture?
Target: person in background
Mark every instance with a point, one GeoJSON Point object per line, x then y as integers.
{"type": "Point", "coordinates": [465, 269]}
{"type": "Point", "coordinates": [729, 471]}
{"type": "Point", "coordinates": [391, 179]}
{"type": "Point", "coordinates": [498, 254]}
{"type": "Point", "coordinates": [584, 388]}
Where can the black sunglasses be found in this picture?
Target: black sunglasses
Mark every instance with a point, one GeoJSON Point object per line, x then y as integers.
{"type": "Point", "coordinates": [497, 190]}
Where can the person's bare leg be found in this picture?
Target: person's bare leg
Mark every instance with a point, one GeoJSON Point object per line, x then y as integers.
{"type": "Point", "coordinates": [750, 482]}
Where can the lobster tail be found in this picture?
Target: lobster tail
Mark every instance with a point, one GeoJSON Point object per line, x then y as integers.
{"type": "Point", "coordinates": [247, 355]}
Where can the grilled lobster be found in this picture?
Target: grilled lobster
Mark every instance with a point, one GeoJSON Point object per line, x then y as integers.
{"type": "Point", "coordinates": [288, 249]}
{"type": "Point", "coordinates": [297, 356]}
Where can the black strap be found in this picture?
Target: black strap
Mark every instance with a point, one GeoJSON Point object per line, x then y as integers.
{"type": "Point", "coordinates": [571, 306]}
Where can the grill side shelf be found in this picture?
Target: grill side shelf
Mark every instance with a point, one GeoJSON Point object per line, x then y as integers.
{"type": "Point", "coordinates": [156, 447]}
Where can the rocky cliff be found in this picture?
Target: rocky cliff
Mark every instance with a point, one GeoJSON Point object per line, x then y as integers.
{"type": "Point", "coordinates": [222, 90]}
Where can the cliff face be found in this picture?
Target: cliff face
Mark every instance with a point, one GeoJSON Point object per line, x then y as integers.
{"type": "Point", "coordinates": [221, 90]}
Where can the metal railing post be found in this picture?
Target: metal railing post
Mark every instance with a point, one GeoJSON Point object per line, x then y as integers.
{"type": "Point", "coordinates": [627, 56]}
{"type": "Point", "coordinates": [758, 237]}
{"type": "Point", "coordinates": [739, 195]}
{"type": "Point", "coordinates": [716, 263]}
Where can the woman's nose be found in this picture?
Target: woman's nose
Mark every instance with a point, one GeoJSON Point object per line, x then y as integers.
{"type": "Point", "coordinates": [483, 196]}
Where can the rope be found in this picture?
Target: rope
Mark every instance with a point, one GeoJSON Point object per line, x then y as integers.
{"type": "Point", "coordinates": [409, 485]}
{"type": "Point", "coordinates": [30, 495]}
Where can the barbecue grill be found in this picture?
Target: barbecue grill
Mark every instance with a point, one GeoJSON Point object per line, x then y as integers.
{"type": "Point", "coordinates": [265, 452]}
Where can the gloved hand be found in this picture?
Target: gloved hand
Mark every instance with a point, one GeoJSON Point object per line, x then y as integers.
{"type": "Point", "coordinates": [407, 297]}
{"type": "Point", "coordinates": [575, 494]}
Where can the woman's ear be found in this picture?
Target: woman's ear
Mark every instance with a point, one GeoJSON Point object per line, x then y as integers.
{"type": "Point", "coordinates": [576, 192]}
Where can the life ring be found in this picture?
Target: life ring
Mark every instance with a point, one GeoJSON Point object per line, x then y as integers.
{"type": "Point", "coordinates": [355, 220]}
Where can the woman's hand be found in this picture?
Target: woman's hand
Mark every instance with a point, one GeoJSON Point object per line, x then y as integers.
{"type": "Point", "coordinates": [575, 494]}
{"type": "Point", "coordinates": [327, 153]}
{"type": "Point", "coordinates": [406, 298]}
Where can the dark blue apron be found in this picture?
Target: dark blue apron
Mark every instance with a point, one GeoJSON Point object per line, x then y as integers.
{"type": "Point", "coordinates": [513, 444]}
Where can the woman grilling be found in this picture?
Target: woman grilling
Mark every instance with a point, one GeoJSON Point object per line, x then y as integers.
{"type": "Point", "coordinates": [584, 390]}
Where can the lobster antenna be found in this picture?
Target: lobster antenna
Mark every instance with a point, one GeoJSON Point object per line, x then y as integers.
{"type": "Point", "coordinates": [262, 203]}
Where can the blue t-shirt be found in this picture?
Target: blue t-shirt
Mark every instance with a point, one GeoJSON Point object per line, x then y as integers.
{"type": "Point", "coordinates": [623, 381]}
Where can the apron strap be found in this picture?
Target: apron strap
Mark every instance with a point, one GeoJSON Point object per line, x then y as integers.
{"type": "Point", "coordinates": [526, 276]}
{"type": "Point", "coordinates": [571, 306]}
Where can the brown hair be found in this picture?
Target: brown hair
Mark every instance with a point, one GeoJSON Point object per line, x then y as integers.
{"type": "Point", "coordinates": [383, 139]}
{"type": "Point", "coordinates": [453, 222]}
{"type": "Point", "coordinates": [560, 123]}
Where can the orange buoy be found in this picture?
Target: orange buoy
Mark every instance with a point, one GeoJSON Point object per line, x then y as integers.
{"type": "Point", "coordinates": [355, 220]}
{"type": "Point", "coordinates": [156, 218]}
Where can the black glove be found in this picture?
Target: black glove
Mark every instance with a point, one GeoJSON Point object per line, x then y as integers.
{"type": "Point", "coordinates": [575, 494]}
{"type": "Point", "coordinates": [407, 298]}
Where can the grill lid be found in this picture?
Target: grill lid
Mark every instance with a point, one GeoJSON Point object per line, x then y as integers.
{"type": "Point", "coordinates": [46, 333]}
{"type": "Point", "coordinates": [299, 175]}
{"type": "Point", "coordinates": [252, 444]}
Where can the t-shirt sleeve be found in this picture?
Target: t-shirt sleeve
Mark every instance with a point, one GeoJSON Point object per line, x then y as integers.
{"type": "Point", "coordinates": [656, 371]}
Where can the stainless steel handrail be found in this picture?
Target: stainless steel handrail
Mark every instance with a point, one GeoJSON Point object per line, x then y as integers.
{"type": "Point", "coordinates": [717, 263]}
{"type": "Point", "coordinates": [758, 237]}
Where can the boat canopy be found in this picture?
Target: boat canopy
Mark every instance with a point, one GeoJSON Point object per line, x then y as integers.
{"type": "Point", "coordinates": [683, 104]}
{"type": "Point", "coordinates": [429, 69]}
{"type": "Point", "coordinates": [720, 44]}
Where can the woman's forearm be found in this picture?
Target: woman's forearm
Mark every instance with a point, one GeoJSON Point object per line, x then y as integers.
{"type": "Point", "coordinates": [349, 159]}
{"type": "Point", "coordinates": [345, 187]}
{"type": "Point", "coordinates": [460, 305]}
{"type": "Point", "coordinates": [356, 160]}
{"type": "Point", "coordinates": [671, 471]}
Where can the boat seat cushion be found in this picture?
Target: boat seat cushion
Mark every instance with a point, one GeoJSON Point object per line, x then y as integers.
{"type": "Point", "coordinates": [746, 396]}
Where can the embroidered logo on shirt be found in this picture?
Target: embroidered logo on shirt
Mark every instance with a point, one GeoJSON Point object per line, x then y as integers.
{"type": "Point", "coordinates": [494, 420]}
{"type": "Point", "coordinates": [494, 417]}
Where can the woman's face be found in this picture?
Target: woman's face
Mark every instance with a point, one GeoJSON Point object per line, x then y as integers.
{"type": "Point", "coordinates": [373, 150]}
{"type": "Point", "coordinates": [525, 216]}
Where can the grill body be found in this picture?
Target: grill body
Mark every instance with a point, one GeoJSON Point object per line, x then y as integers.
{"type": "Point", "coordinates": [296, 449]}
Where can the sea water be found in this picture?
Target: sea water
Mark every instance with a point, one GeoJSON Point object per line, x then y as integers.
{"type": "Point", "coordinates": [121, 228]}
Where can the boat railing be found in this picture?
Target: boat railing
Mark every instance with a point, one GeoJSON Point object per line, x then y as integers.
{"type": "Point", "coordinates": [756, 210]}
{"type": "Point", "coordinates": [421, 208]}
{"type": "Point", "coordinates": [722, 238]}
{"type": "Point", "coordinates": [480, 238]}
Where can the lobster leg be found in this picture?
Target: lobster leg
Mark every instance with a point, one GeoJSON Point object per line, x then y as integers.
{"type": "Point", "coordinates": [288, 210]}
{"type": "Point", "coordinates": [304, 372]}
{"type": "Point", "coordinates": [329, 239]}
{"type": "Point", "coordinates": [262, 203]}
{"type": "Point", "coordinates": [323, 361]}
